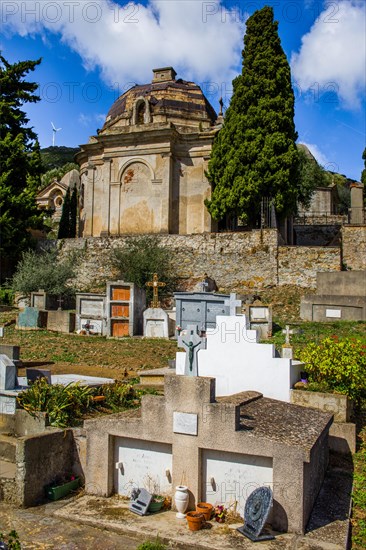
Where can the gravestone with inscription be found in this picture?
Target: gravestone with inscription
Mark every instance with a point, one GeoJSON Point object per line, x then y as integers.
{"type": "Point", "coordinates": [90, 313]}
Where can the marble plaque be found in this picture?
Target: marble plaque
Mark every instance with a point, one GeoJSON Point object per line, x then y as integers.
{"type": "Point", "coordinates": [258, 313]}
{"type": "Point", "coordinates": [333, 313]}
{"type": "Point", "coordinates": [185, 423]}
{"type": "Point", "coordinates": [91, 308]}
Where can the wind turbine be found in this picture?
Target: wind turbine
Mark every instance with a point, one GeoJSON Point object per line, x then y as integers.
{"type": "Point", "coordinates": [54, 131]}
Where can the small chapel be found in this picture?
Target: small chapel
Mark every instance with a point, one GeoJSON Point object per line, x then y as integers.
{"type": "Point", "coordinates": [144, 171]}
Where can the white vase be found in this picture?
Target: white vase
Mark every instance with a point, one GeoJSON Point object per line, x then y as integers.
{"type": "Point", "coordinates": [181, 499]}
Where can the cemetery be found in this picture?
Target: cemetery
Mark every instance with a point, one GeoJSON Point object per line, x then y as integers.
{"type": "Point", "coordinates": [224, 418]}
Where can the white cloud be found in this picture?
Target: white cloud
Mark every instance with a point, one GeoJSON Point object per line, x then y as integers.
{"type": "Point", "coordinates": [333, 54]}
{"type": "Point", "coordinates": [127, 42]}
{"type": "Point", "coordinates": [317, 153]}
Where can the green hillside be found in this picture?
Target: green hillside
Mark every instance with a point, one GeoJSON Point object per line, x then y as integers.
{"type": "Point", "coordinates": [55, 157]}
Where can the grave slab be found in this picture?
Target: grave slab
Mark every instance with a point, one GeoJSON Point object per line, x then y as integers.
{"type": "Point", "coordinates": [8, 373]}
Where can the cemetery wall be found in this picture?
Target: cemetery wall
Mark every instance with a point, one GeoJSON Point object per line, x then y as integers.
{"type": "Point", "coordinates": [298, 265]}
{"type": "Point", "coordinates": [40, 459]}
{"type": "Point", "coordinates": [237, 261]}
{"type": "Point", "coordinates": [354, 247]}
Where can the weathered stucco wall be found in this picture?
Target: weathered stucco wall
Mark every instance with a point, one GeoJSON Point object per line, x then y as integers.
{"type": "Point", "coordinates": [237, 261]}
{"type": "Point", "coordinates": [354, 246]}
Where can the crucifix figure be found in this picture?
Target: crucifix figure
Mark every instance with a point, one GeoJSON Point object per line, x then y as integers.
{"type": "Point", "coordinates": [233, 303]}
{"type": "Point", "coordinates": [155, 284]}
{"type": "Point", "coordinates": [192, 343]}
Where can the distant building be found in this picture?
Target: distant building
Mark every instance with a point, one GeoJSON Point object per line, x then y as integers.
{"type": "Point", "coordinates": [145, 170]}
{"type": "Point", "coordinates": [51, 198]}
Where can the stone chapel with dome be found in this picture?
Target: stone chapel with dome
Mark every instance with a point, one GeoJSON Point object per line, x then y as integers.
{"type": "Point", "coordinates": [145, 170]}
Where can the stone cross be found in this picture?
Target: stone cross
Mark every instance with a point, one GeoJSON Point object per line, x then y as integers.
{"type": "Point", "coordinates": [204, 285]}
{"type": "Point", "coordinates": [60, 302]}
{"type": "Point", "coordinates": [288, 333]}
{"type": "Point", "coordinates": [233, 303]}
{"type": "Point", "coordinates": [155, 284]}
{"type": "Point", "coordinates": [192, 343]}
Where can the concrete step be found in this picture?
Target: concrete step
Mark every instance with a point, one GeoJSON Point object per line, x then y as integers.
{"type": "Point", "coordinates": [154, 377]}
{"type": "Point", "coordinates": [7, 448]}
{"type": "Point", "coordinates": [7, 482]}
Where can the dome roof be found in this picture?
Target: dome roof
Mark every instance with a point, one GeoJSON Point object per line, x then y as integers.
{"type": "Point", "coordinates": [167, 99]}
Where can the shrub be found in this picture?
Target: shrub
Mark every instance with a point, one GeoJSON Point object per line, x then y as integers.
{"type": "Point", "coordinates": [6, 296]}
{"type": "Point", "coordinates": [44, 270]}
{"type": "Point", "coordinates": [65, 405]}
{"type": "Point", "coordinates": [341, 365]}
{"type": "Point", "coordinates": [140, 259]}
{"type": "Point", "coordinates": [120, 396]}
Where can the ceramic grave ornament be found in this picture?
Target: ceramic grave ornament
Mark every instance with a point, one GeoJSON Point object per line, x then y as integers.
{"type": "Point", "coordinates": [257, 508]}
{"type": "Point", "coordinates": [192, 343]}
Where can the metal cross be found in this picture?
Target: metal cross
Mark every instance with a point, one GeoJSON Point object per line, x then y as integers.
{"type": "Point", "coordinates": [155, 284]}
{"type": "Point", "coordinates": [232, 303]}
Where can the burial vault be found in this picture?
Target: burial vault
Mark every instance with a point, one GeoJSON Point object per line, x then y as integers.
{"type": "Point", "coordinates": [221, 448]}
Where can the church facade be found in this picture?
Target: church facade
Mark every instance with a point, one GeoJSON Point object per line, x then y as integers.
{"type": "Point", "coordinates": [145, 170]}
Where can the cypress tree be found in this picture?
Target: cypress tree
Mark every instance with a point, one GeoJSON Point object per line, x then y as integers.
{"type": "Point", "coordinates": [73, 213]}
{"type": "Point", "coordinates": [64, 227]}
{"type": "Point", "coordinates": [254, 155]}
{"type": "Point", "coordinates": [363, 173]}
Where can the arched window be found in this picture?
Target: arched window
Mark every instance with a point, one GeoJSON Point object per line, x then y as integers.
{"type": "Point", "coordinates": [140, 115]}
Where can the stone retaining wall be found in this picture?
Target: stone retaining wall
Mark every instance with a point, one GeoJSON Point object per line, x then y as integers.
{"type": "Point", "coordinates": [237, 261]}
{"type": "Point", "coordinates": [354, 247]}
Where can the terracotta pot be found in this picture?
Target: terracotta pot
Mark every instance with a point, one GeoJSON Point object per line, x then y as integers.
{"type": "Point", "coordinates": [195, 520]}
{"type": "Point", "coordinates": [205, 508]}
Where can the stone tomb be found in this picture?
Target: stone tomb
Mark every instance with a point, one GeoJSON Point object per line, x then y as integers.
{"type": "Point", "coordinates": [200, 308]}
{"type": "Point", "coordinates": [13, 352]}
{"type": "Point", "coordinates": [124, 306]}
{"type": "Point", "coordinates": [61, 321]}
{"type": "Point", "coordinates": [31, 318]}
{"type": "Point", "coordinates": [157, 323]}
{"type": "Point", "coordinates": [340, 296]}
{"type": "Point", "coordinates": [234, 357]}
{"type": "Point", "coordinates": [90, 313]}
{"type": "Point", "coordinates": [223, 448]}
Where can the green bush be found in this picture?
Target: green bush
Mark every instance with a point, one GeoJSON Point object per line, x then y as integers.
{"type": "Point", "coordinates": [44, 270]}
{"type": "Point", "coordinates": [120, 396]}
{"type": "Point", "coordinates": [6, 296]}
{"type": "Point", "coordinates": [64, 405]}
{"type": "Point", "coordinates": [140, 258]}
{"type": "Point", "coordinates": [338, 365]}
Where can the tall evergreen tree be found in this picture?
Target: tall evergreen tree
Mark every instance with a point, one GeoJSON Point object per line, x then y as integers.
{"type": "Point", "coordinates": [363, 173]}
{"type": "Point", "coordinates": [64, 227]}
{"type": "Point", "coordinates": [254, 155]}
{"type": "Point", "coordinates": [20, 161]}
{"type": "Point", "coordinates": [73, 213]}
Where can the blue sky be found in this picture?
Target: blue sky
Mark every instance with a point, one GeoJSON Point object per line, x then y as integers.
{"type": "Point", "coordinates": [94, 50]}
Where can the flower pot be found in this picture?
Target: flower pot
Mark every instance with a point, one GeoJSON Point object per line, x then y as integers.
{"type": "Point", "coordinates": [60, 491]}
{"type": "Point", "coordinates": [195, 520]}
{"type": "Point", "coordinates": [181, 499]}
{"type": "Point", "coordinates": [156, 505]}
{"type": "Point", "coordinates": [205, 508]}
